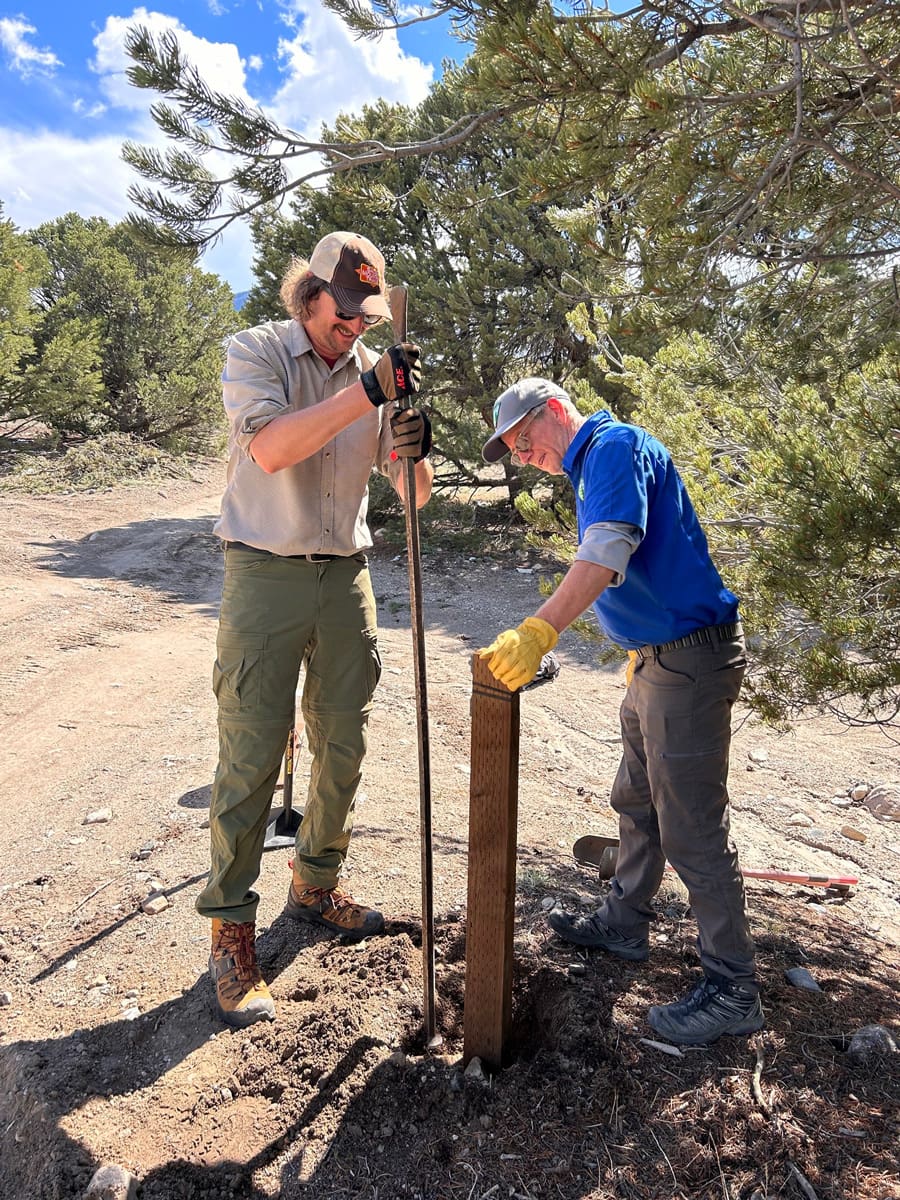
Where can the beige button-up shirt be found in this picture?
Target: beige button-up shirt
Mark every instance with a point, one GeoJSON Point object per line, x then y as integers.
{"type": "Point", "coordinates": [317, 506]}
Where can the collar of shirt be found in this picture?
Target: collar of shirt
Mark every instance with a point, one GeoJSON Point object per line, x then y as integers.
{"type": "Point", "coordinates": [583, 436]}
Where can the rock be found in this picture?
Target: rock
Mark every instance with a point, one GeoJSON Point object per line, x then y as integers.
{"type": "Point", "coordinates": [100, 817]}
{"type": "Point", "coordinates": [112, 1183]}
{"type": "Point", "coordinates": [884, 801]}
{"type": "Point", "coordinates": [801, 820]}
{"type": "Point", "coordinates": [758, 756]}
{"type": "Point", "coordinates": [859, 791]}
{"type": "Point", "coordinates": [155, 903]}
{"type": "Point", "coordinates": [547, 903]}
{"type": "Point", "coordinates": [871, 1042]}
{"type": "Point", "coordinates": [855, 835]}
{"type": "Point", "coordinates": [801, 978]}
{"type": "Point", "coordinates": [5, 999]}
{"type": "Point", "coordinates": [475, 1070]}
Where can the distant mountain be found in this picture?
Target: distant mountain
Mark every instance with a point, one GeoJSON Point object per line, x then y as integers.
{"type": "Point", "coordinates": [240, 299]}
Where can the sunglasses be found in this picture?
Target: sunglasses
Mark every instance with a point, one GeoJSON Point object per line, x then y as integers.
{"type": "Point", "coordinates": [522, 444]}
{"type": "Point", "coordinates": [350, 317]}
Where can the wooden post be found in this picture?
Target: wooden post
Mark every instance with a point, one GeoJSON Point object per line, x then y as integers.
{"type": "Point", "coordinates": [493, 814]}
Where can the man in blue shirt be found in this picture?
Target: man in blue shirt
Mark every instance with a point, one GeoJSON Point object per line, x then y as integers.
{"type": "Point", "coordinates": [644, 565]}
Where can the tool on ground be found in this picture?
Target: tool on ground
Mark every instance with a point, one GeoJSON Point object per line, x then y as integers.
{"type": "Point", "coordinates": [546, 672]}
{"type": "Point", "coordinates": [601, 852]}
{"type": "Point", "coordinates": [398, 301]}
{"type": "Point", "coordinates": [282, 828]}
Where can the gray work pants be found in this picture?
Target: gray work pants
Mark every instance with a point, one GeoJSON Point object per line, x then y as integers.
{"type": "Point", "coordinates": [671, 795]}
{"type": "Point", "coordinates": [278, 614]}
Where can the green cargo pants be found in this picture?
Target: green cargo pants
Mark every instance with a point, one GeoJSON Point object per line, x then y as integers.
{"type": "Point", "coordinates": [277, 615]}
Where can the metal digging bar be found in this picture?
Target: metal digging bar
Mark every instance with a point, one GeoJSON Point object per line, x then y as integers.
{"type": "Point", "coordinates": [398, 302]}
{"type": "Point", "coordinates": [282, 828]}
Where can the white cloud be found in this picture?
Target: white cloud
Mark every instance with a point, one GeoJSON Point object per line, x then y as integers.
{"type": "Point", "coordinates": [24, 58]}
{"type": "Point", "coordinates": [324, 71]}
{"type": "Point", "coordinates": [328, 71]}
{"type": "Point", "coordinates": [219, 64]}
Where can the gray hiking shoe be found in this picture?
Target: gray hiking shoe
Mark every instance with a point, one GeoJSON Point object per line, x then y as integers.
{"type": "Point", "coordinates": [590, 931]}
{"type": "Point", "coordinates": [714, 1007]}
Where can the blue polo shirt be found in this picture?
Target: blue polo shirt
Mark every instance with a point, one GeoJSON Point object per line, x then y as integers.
{"type": "Point", "coordinates": [671, 587]}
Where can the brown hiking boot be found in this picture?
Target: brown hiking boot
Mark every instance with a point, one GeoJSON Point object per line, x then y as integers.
{"type": "Point", "coordinates": [334, 909]}
{"type": "Point", "coordinates": [241, 993]}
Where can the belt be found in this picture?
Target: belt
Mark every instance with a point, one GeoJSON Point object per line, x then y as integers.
{"type": "Point", "coordinates": [314, 558]}
{"type": "Point", "coordinates": [698, 637]}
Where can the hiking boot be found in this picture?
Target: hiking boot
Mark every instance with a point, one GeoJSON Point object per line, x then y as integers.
{"type": "Point", "coordinates": [334, 909]}
{"type": "Point", "coordinates": [241, 994]}
{"type": "Point", "coordinates": [590, 931]}
{"type": "Point", "coordinates": [714, 1007]}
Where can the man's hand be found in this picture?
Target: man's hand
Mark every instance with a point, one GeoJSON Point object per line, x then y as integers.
{"type": "Point", "coordinates": [412, 434]}
{"type": "Point", "coordinates": [397, 374]}
{"type": "Point", "coordinates": [515, 655]}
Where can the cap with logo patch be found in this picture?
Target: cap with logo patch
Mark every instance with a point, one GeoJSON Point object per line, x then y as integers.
{"type": "Point", "coordinates": [354, 272]}
{"type": "Point", "coordinates": [514, 404]}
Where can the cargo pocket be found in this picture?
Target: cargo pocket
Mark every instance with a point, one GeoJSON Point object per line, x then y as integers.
{"type": "Point", "coordinates": [237, 674]}
{"type": "Point", "coordinates": [373, 661]}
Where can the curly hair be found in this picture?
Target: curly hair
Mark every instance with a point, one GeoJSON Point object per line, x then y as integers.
{"type": "Point", "coordinates": [298, 287]}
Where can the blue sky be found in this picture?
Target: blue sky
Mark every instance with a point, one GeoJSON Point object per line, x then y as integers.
{"type": "Point", "coordinates": [66, 106]}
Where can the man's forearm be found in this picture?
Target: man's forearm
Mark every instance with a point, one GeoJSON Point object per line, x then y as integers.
{"type": "Point", "coordinates": [295, 436]}
{"type": "Point", "coordinates": [582, 584]}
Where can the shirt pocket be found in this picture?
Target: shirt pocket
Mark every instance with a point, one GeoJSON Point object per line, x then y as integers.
{"type": "Point", "coordinates": [238, 672]}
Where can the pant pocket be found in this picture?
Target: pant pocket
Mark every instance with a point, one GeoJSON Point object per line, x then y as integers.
{"type": "Point", "coordinates": [373, 661]}
{"type": "Point", "coordinates": [237, 674]}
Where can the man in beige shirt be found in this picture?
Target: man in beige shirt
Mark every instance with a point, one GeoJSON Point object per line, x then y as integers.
{"type": "Point", "coordinates": [310, 416]}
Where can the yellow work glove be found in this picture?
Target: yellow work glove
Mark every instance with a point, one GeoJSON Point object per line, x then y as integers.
{"type": "Point", "coordinates": [515, 655]}
{"type": "Point", "coordinates": [629, 667]}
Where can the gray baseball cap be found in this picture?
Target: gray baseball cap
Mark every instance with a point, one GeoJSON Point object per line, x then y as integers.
{"type": "Point", "coordinates": [514, 404]}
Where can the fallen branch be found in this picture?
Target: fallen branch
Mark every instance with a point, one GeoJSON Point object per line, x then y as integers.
{"type": "Point", "coordinates": [755, 1086]}
{"type": "Point", "coordinates": [802, 1182]}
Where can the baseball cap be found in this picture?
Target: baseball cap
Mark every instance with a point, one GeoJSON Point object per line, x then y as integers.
{"type": "Point", "coordinates": [514, 404]}
{"type": "Point", "coordinates": [354, 272]}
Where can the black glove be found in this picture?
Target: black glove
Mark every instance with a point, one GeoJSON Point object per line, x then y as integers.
{"type": "Point", "coordinates": [397, 374]}
{"type": "Point", "coordinates": [412, 434]}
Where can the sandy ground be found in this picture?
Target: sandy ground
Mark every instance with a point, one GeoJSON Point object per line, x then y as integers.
{"type": "Point", "coordinates": [110, 1054]}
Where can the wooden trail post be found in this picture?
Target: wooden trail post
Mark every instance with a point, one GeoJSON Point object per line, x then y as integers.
{"type": "Point", "coordinates": [493, 815]}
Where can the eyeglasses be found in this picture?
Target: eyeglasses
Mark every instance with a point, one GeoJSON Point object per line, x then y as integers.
{"type": "Point", "coordinates": [522, 444]}
{"type": "Point", "coordinates": [342, 316]}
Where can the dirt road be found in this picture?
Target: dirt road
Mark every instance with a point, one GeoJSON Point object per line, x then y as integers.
{"type": "Point", "coordinates": [108, 1049]}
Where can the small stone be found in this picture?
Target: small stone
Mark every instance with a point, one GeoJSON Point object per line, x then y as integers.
{"type": "Point", "coordinates": [883, 801]}
{"type": "Point", "coordinates": [855, 835]}
{"type": "Point", "coordinates": [758, 756]}
{"type": "Point", "coordinates": [870, 1042]}
{"type": "Point", "coordinates": [801, 820]}
{"type": "Point", "coordinates": [112, 1183]}
{"type": "Point", "coordinates": [155, 903]}
{"type": "Point", "coordinates": [547, 903]}
{"type": "Point", "coordinates": [475, 1070]}
{"type": "Point", "coordinates": [860, 791]}
{"type": "Point", "coordinates": [131, 1014]}
{"type": "Point", "coordinates": [577, 968]}
{"type": "Point", "coordinates": [99, 817]}
{"type": "Point", "coordinates": [801, 978]}
{"type": "Point", "coordinates": [5, 999]}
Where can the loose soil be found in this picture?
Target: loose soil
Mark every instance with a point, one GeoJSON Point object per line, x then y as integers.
{"type": "Point", "coordinates": [109, 1049]}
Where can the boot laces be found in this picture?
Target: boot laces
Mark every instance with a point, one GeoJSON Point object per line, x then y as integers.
{"type": "Point", "coordinates": [239, 940]}
{"type": "Point", "coordinates": [706, 989]}
{"type": "Point", "coordinates": [333, 898]}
